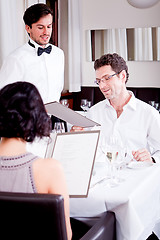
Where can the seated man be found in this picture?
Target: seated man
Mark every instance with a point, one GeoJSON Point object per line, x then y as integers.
{"type": "Point", "coordinates": [133, 122]}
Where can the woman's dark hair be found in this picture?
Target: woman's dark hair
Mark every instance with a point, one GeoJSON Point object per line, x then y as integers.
{"type": "Point", "coordinates": [22, 112]}
{"type": "Point", "coordinates": [35, 12]}
{"type": "Point", "coordinates": [116, 62]}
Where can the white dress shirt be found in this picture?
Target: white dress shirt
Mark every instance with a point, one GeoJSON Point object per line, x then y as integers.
{"type": "Point", "coordinates": [46, 72]}
{"type": "Point", "coordinates": [138, 126]}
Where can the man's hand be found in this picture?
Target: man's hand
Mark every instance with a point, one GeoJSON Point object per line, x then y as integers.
{"type": "Point", "coordinates": [76, 129]}
{"type": "Point", "coordinates": [142, 155]}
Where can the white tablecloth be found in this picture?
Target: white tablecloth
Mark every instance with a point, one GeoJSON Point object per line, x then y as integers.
{"type": "Point", "coordinates": [136, 201]}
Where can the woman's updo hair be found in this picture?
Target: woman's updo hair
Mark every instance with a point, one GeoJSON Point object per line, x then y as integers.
{"type": "Point", "coordinates": [22, 112]}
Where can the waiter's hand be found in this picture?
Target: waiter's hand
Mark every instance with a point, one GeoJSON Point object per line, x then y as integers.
{"type": "Point", "coordinates": [142, 155]}
{"type": "Point", "coordinates": [76, 129]}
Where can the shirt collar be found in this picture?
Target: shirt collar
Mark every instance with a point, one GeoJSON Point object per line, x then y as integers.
{"type": "Point", "coordinates": [131, 103]}
{"type": "Point", "coordinates": [37, 45]}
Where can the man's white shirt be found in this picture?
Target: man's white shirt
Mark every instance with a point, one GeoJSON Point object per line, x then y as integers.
{"type": "Point", "coordinates": [138, 126]}
{"type": "Point", "coordinates": [46, 72]}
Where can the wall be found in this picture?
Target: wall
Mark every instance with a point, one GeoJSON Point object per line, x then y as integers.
{"type": "Point", "coordinates": [13, 33]}
{"type": "Point", "coordinates": [100, 14]}
{"type": "Point", "coordinates": [63, 35]}
{"type": "Point", "coordinates": [103, 14]}
{"type": "Point", "coordinates": [12, 27]}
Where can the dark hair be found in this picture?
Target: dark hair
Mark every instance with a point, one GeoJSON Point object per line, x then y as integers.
{"type": "Point", "coordinates": [22, 112]}
{"type": "Point", "coordinates": [35, 12]}
{"type": "Point", "coordinates": [116, 62]}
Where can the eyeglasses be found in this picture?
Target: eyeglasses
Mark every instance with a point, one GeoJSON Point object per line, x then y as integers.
{"type": "Point", "coordinates": [105, 78]}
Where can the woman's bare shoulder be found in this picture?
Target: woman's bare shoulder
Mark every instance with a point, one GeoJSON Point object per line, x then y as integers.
{"type": "Point", "coordinates": [47, 172]}
{"type": "Point", "coordinates": [48, 165]}
{"type": "Point", "coordinates": [47, 162]}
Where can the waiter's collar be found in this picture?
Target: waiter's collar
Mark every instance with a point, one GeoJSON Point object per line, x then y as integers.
{"type": "Point", "coordinates": [36, 45]}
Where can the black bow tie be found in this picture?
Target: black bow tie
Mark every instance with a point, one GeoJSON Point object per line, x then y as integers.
{"type": "Point", "coordinates": [41, 50]}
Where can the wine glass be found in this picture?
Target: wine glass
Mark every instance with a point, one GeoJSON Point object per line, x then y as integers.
{"type": "Point", "coordinates": [115, 153]}
{"type": "Point", "coordinates": [89, 104]}
{"type": "Point", "coordinates": [84, 104]}
{"type": "Point", "coordinates": [152, 103]}
{"type": "Point", "coordinates": [111, 158]}
{"type": "Point", "coordinates": [65, 102]}
{"type": "Point", "coordinates": [156, 105]}
{"type": "Point", "coordinates": [120, 163]}
{"type": "Point", "coordinates": [59, 127]}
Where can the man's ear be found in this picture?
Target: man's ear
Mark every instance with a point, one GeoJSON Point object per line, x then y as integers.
{"type": "Point", "coordinates": [27, 28]}
{"type": "Point", "coordinates": [123, 75]}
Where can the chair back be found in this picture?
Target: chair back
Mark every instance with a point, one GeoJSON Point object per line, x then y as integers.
{"type": "Point", "coordinates": [29, 215]}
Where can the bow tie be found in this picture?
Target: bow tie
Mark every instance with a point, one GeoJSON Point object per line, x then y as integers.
{"type": "Point", "coordinates": [41, 50]}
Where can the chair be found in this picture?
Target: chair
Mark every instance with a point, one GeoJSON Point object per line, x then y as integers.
{"type": "Point", "coordinates": [103, 228]}
{"type": "Point", "coordinates": [28, 215]}
{"type": "Point", "coordinates": [32, 216]}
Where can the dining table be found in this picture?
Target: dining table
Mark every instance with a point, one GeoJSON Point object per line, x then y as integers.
{"type": "Point", "coordinates": [135, 200]}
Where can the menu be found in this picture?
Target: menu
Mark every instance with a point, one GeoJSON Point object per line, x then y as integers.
{"type": "Point", "coordinates": [76, 151]}
{"type": "Point", "coordinates": [69, 115]}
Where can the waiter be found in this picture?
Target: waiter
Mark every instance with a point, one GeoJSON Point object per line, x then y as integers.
{"type": "Point", "coordinates": [37, 61]}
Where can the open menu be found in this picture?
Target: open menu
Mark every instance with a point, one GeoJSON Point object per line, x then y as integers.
{"type": "Point", "coordinates": [76, 151]}
{"type": "Point", "coordinates": [68, 115]}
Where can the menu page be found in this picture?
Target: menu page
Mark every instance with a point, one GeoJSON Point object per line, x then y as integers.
{"type": "Point", "coordinates": [69, 115]}
{"type": "Point", "coordinates": [76, 151]}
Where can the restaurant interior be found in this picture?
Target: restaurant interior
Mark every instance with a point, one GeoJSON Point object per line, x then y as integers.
{"type": "Point", "coordinates": [85, 30]}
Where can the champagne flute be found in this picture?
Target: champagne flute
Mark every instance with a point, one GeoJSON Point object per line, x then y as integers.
{"type": "Point", "coordinates": [111, 157]}
{"type": "Point", "coordinates": [114, 150]}
{"type": "Point", "coordinates": [115, 155]}
{"type": "Point", "coordinates": [120, 163]}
